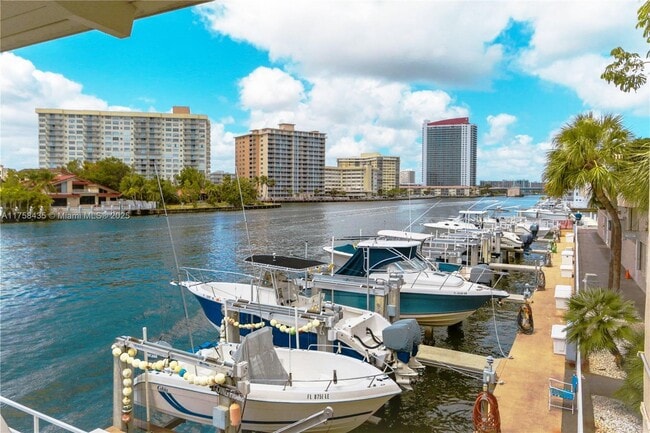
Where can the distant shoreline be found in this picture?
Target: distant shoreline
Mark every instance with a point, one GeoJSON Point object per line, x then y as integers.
{"type": "Point", "coordinates": [67, 215]}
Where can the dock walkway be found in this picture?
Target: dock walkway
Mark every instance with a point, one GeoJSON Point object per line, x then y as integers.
{"type": "Point", "coordinates": [523, 388]}
{"type": "Point", "coordinates": [523, 394]}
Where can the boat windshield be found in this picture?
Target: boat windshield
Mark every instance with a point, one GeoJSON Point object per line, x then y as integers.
{"type": "Point", "coordinates": [415, 264]}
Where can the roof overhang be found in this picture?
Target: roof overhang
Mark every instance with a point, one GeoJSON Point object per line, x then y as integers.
{"type": "Point", "coordinates": [24, 23]}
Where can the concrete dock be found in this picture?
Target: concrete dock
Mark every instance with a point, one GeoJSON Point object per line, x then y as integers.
{"type": "Point", "coordinates": [524, 376]}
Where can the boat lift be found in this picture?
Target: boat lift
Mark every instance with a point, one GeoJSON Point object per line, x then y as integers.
{"type": "Point", "coordinates": [234, 389]}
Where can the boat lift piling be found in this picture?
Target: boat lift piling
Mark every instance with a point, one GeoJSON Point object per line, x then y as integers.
{"type": "Point", "coordinates": [229, 395]}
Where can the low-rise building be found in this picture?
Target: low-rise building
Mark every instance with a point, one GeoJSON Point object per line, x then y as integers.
{"type": "Point", "coordinates": [72, 192]}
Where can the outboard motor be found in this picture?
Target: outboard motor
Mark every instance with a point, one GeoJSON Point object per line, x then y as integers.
{"type": "Point", "coordinates": [534, 229]}
{"type": "Point", "coordinates": [526, 239]}
{"type": "Point", "coordinates": [481, 274]}
{"type": "Point", "coordinates": [404, 337]}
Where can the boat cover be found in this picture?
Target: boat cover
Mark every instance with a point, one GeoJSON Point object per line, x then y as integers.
{"type": "Point", "coordinates": [264, 365]}
{"type": "Point", "coordinates": [370, 257]}
{"type": "Point", "coordinates": [272, 261]}
{"type": "Point", "coordinates": [403, 336]}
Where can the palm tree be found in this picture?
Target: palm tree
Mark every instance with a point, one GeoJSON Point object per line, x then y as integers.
{"type": "Point", "coordinates": [631, 393]}
{"type": "Point", "coordinates": [588, 153]}
{"type": "Point", "coordinates": [598, 318]}
{"type": "Point", "coordinates": [636, 166]}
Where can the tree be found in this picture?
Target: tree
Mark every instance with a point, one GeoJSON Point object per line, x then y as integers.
{"type": "Point", "coordinates": [631, 393]}
{"type": "Point", "coordinates": [598, 318]}
{"type": "Point", "coordinates": [191, 182]}
{"type": "Point", "coordinates": [169, 191]}
{"type": "Point", "coordinates": [133, 186]}
{"type": "Point", "coordinates": [588, 152]}
{"type": "Point", "coordinates": [26, 189]}
{"type": "Point", "coordinates": [107, 172]}
{"type": "Point", "coordinates": [627, 72]}
{"type": "Point", "coordinates": [635, 168]}
{"type": "Point", "coordinates": [236, 192]}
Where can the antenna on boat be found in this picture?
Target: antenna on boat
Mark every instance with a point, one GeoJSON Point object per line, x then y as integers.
{"type": "Point", "coordinates": [408, 227]}
{"type": "Point", "coordinates": [243, 211]}
{"type": "Point", "coordinates": [178, 269]}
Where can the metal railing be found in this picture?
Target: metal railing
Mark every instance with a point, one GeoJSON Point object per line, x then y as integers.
{"type": "Point", "coordinates": [581, 422]}
{"type": "Point", "coordinates": [38, 416]}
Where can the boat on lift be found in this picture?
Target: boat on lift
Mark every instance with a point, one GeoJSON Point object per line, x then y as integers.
{"type": "Point", "coordinates": [431, 297]}
{"type": "Point", "coordinates": [275, 387]}
{"type": "Point", "coordinates": [281, 296]}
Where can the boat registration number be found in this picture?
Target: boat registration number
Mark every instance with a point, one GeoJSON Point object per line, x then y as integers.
{"type": "Point", "coordinates": [321, 396]}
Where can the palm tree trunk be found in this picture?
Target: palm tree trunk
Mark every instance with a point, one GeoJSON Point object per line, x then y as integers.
{"type": "Point", "coordinates": [614, 278]}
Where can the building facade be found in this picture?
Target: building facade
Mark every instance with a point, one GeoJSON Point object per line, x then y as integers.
{"type": "Point", "coordinates": [407, 177]}
{"type": "Point", "coordinates": [162, 143]}
{"type": "Point", "coordinates": [351, 181]}
{"type": "Point", "coordinates": [383, 174]}
{"type": "Point", "coordinates": [292, 162]}
{"type": "Point", "coordinates": [449, 152]}
{"type": "Point", "coordinates": [71, 191]}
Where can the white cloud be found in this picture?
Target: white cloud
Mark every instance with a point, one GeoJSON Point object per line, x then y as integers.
{"type": "Point", "coordinates": [426, 41]}
{"type": "Point", "coordinates": [270, 89]}
{"type": "Point", "coordinates": [222, 146]}
{"type": "Point", "coordinates": [25, 88]}
{"type": "Point", "coordinates": [372, 71]}
{"type": "Point", "coordinates": [362, 114]}
{"type": "Point", "coordinates": [520, 158]}
{"type": "Point", "coordinates": [582, 74]}
{"type": "Point", "coordinates": [499, 125]}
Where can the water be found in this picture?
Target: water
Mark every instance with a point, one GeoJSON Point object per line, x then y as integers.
{"type": "Point", "coordinates": [70, 287]}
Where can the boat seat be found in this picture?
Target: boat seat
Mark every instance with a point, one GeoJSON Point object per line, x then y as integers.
{"type": "Point", "coordinates": [562, 394]}
{"type": "Point", "coordinates": [264, 365]}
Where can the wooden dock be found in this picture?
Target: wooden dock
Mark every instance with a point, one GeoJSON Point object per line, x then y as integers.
{"type": "Point", "coordinates": [453, 359]}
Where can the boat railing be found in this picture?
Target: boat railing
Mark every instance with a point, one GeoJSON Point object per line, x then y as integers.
{"type": "Point", "coordinates": [38, 417]}
{"type": "Point", "coordinates": [202, 275]}
{"type": "Point", "coordinates": [367, 357]}
{"type": "Point", "coordinates": [326, 382]}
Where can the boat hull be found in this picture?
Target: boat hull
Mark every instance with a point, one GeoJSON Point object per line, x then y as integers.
{"type": "Point", "coordinates": [428, 309]}
{"type": "Point", "coordinates": [268, 408]}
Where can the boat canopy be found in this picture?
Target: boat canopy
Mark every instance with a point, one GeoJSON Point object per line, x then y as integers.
{"type": "Point", "coordinates": [373, 255]}
{"type": "Point", "coordinates": [282, 263]}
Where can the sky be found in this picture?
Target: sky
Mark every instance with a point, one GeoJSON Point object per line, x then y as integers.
{"type": "Point", "coordinates": [367, 73]}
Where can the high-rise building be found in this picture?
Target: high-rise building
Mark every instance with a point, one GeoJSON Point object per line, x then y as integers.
{"type": "Point", "coordinates": [151, 143]}
{"type": "Point", "coordinates": [384, 173]}
{"type": "Point", "coordinates": [291, 162]}
{"type": "Point", "coordinates": [449, 152]}
{"type": "Point", "coordinates": [407, 177]}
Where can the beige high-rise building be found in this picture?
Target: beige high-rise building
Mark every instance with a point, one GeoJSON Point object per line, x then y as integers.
{"type": "Point", "coordinates": [293, 162]}
{"type": "Point", "coordinates": [384, 173]}
{"type": "Point", "coordinates": [151, 143]}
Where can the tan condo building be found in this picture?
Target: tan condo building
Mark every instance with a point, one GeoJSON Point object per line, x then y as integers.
{"type": "Point", "coordinates": [151, 143]}
{"type": "Point", "coordinates": [292, 162]}
{"type": "Point", "coordinates": [378, 173]}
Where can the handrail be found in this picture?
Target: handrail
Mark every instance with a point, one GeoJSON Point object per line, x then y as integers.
{"type": "Point", "coordinates": [40, 416]}
{"type": "Point", "coordinates": [580, 426]}
{"type": "Point", "coordinates": [646, 363]}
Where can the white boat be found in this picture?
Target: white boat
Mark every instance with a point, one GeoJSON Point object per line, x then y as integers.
{"type": "Point", "coordinates": [280, 297]}
{"type": "Point", "coordinates": [284, 386]}
{"type": "Point", "coordinates": [547, 209]}
{"type": "Point", "coordinates": [431, 297]}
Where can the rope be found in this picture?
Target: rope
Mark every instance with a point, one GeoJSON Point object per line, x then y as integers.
{"type": "Point", "coordinates": [486, 416]}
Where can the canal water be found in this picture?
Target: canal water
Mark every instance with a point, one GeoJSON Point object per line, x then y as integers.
{"type": "Point", "coordinates": [70, 287]}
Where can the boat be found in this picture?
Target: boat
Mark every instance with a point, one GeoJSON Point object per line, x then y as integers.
{"type": "Point", "coordinates": [547, 209]}
{"type": "Point", "coordinates": [281, 296]}
{"type": "Point", "coordinates": [431, 297]}
{"type": "Point", "coordinates": [476, 221]}
{"type": "Point", "coordinates": [271, 387]}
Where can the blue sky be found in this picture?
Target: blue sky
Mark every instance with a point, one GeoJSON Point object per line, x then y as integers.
{"type": "Point", "coordinates": [367, 73]}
